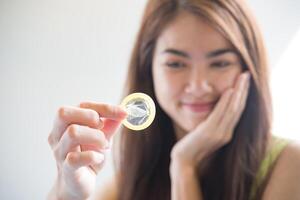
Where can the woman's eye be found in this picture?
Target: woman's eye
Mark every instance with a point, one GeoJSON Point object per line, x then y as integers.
{"type": "Point", "coordinates": [221, 64]}
{"type": "Point", "coordinates": [175, 64]}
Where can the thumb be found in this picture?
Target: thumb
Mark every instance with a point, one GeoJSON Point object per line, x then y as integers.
{"type": "Point", "coordinates": [109, 127]}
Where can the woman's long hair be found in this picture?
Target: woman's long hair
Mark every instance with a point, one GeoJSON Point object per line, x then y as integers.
{"type": "Point", "coordinates": [143, 157]}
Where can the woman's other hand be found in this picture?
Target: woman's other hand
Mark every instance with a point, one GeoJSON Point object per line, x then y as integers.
{"type": "Point", "coordinates": [79, 138]}
{"type": "Point", "coordinates": [217, 129]}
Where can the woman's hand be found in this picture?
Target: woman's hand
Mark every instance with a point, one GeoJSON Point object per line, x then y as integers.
{"type": "Point", "coordinates": [217, 129]}
{"type": "Point", "coordinates": [79, 139]}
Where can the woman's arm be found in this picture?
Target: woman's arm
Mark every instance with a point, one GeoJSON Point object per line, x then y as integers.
{"type": "Point", "coordinates": [284, 182]}
{"type": "Point", "coordinates": [206, 138]}
{"type": "Point", "coordinates": [184, 182]}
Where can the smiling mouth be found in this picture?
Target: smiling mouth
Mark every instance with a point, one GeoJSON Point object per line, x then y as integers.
{"type": "Point", "coordinates": [199, 107]}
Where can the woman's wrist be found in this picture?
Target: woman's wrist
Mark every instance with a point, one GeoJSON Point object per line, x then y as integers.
{"type": "Point", "coordinates": [59, 193]}
{"type": "Point", "coordinates": [180, 167]}
{"type": "Point", "coordinates": [186, 157]}
{"type": "Point", "coordinates": [185, 183]}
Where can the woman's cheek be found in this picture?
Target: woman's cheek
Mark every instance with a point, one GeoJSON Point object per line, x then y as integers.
{"type": "Point", "coordinates": [164, 87]}
{"type": "Point", "coordinates": [227, 82]}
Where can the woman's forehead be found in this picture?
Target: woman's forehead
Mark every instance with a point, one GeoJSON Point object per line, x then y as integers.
{"type": "Point", "coordinates": [191, 33]}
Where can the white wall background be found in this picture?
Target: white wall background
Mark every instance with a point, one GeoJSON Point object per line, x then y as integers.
{"type": "Point", "coordinates": [61, 52]}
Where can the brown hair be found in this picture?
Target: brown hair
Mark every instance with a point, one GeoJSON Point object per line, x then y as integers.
{"type": "Point", "coordinates": [144, 157]}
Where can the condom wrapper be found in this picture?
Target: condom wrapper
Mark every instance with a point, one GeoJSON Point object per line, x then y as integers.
{"type": "Point", "coordinates": [140, 109]}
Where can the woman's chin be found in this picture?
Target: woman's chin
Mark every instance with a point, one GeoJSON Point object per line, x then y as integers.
{"type": "Point", "coordinates": [188, 123]}
{"type": "Point", "coordinates": [191, 125]}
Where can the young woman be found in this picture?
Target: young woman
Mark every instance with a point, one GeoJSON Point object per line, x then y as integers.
{"type": "Point", "coordinates": [204, 64]}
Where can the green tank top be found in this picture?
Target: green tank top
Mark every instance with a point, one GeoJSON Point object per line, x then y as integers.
{"type": "Point", "coordinates": [272, 154]}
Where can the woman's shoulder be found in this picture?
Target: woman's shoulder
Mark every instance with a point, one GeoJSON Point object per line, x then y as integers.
{"type": "Point", "coordinates": [287, 151]}
{"type": "Point", "coordinates": [288, 160]}
{"type": "Point", "coordinates": [107, 189]}
{"type": "Point", "coordinates": [290, 157]}
{"type": "Point", "coordinates": [284, 182]}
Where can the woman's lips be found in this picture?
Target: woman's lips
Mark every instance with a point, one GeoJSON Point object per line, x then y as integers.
{"type": "Point", "coordinates": [199, 107]}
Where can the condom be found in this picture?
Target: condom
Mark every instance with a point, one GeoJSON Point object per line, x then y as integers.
{"type": "Point", "coordinates": [140, 109]}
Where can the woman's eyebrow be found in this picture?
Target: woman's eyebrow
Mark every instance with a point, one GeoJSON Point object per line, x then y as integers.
{"type": "Point", "coordinates": [176, 52]}
{"type": "Point", "coordinates": [219, 52]}
{"type": "Point", "coordinates": [211, 54]}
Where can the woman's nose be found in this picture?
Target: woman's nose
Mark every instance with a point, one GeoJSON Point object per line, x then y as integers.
{"type": "Point", "coordinates": [198, 84]}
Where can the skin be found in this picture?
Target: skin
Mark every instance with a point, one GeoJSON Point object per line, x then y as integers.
{"type": "Point", "coordinates": [79, 137]}
{"type": "Point", "coordinates": [196, 76]}
{"type": "Point", "coordinates": [284, 182]}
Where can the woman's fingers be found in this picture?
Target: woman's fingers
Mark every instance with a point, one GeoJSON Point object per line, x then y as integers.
{"type": "Point", "coordinates": [236, 105]}
{"type": "Point", "coordinates": [72, 115]}
{"type": "Point", "coordinates": [113, 115]}
{"type": "Point", "coordinates": [93, 159]}
{"type": "Point", "coordinates": [208, 131]}
{"type": "Point", "coordinates": [219, 110]}
{"type": "Point", "coordinates": [243, 100]}
{"type": "Point", "coordinates": [76, 135]}
{"type": "Point", "coordinates": [79, 143]}
{"type": "Point", "coordinates": [110, 126]}
{"type": "Point", "coordinates": [105, 110]}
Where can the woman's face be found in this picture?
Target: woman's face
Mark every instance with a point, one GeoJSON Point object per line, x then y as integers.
{"type": "Point", "coordinates": [193, 65]}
